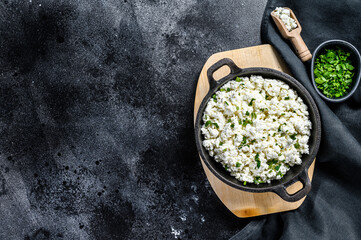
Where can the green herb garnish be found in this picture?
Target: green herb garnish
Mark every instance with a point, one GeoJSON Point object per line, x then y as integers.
{"type": "Point", "coordinates": [257, 160]}
{"type": "Point", "coordinates": [221, 143]}
{"type": "Point", "coordinates": [238, 79]}
{"type": "Point", "coordinates": [277, 167]}
{"type": "Point", "coordinates": [297, 145]}
{"type": "Point", "coordinates": [226, 103]}
{"type": "Point", "coordinates": [272, 162]}
{"type": "Point", "coordinates": [247, 113]}
{"type": "Point", "coordinates": [257, 180]}
{"type": "Point", "coordinates": [246, 121]}
{"type": "Point", "coordinates": [293, 136]}
{"type": "Point", "coordinates": [232, 125]}
{"type": "Point", "coordinates": [208, 123]}
{"type": "Point", "coordinates": [333, 71]}
{"type": "Point", "coordinates": [244, 183]}
{"type": "Point", "coordinates": [214, 97]}
{"type": "Point", "coordinates": [228, 89]}
{"type": "Point", "coordinates": [229, 120]}
{"type": "Point", "coordinates": [287, 98]}
{"type": "Point", "coordinates": [222, 90]}
{"type": "Point", "coordinates": [251, 102]}
{"type": "Point", "coordinates": [238, 164]}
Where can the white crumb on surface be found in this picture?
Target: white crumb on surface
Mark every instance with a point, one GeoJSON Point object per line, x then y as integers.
{"type": "Point", "coordinates": [176, 233]}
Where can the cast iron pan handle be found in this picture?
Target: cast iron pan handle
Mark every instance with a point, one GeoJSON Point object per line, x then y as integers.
{"type": "Point", "coordinates": [304, 179]}
{"type": "Point", "coordinates": [225, 61]}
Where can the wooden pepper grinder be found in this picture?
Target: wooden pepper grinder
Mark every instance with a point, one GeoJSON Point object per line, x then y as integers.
{"type": "Point", "coordinates": [294, 35]}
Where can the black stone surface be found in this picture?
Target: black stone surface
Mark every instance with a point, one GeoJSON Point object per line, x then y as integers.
{"type": "Point", "coordinates": [96, 106]}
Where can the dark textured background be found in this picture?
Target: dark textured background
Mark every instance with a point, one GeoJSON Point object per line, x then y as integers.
{"type": "Point", "coordinates": [96, 101]}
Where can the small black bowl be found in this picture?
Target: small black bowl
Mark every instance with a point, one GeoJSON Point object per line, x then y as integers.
{"type": "Point", "coordinates": [356, 62]}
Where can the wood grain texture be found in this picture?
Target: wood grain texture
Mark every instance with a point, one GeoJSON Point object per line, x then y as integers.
{"type": "Point", "coordinates": [241, 203]}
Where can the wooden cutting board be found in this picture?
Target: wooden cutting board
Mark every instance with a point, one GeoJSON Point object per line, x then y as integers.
{"type": "Point", "coordinates": [241, 203]}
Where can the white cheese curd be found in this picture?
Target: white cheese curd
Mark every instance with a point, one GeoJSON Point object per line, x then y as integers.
{"type": "Point", "coordinates": [256, 128]}
{"type": "Point", "coordinates": [284, 15]}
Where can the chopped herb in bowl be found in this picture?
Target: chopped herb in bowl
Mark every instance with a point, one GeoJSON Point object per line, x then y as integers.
{"type": "Point", "coordinates": [333, 72]}
{"type": "Point", "coordinates": [343, 54]}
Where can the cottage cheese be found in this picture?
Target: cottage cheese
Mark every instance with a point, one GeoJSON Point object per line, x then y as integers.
{"type": "Point", "coordinates": [256, 128]}
{"type": "Point", "coordinates": [284, 15]}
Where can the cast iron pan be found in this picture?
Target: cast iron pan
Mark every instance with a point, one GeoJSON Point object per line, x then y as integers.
{"type": "Point", "coordinates": [297, 172]}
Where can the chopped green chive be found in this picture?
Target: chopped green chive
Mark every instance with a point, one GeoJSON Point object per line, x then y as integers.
{"type": "Point", "coordinates": [287, 98]}
{"type": "Point", "coordinates": [237, 108]}
{"type": "Point", "coordinates": [226, 103]}
{"type": "Point", "coordinates": [238, 164]}
{"type": "Point", "coordinates": [221, 143]}
{"type": "Point", "coordinates": [244, 140]}
{"type": "Point", "coordinates": [229, 120]}
{"type": "Point", "coordinates": [297, 145]}
{"type": "Point", "coordinates": [247, 113]}
{"type": "Point", "coordinates": [244, 183]}
{"type": "Point", "coordinates": [222, 90]}
{"type": "Point", "coordinates": [232, 125]}
{"type": "Point", "coordinates": [228, 89]}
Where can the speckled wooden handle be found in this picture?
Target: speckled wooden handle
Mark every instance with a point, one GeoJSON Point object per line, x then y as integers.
{"type": "Point", "coordinates": [301, 49]}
